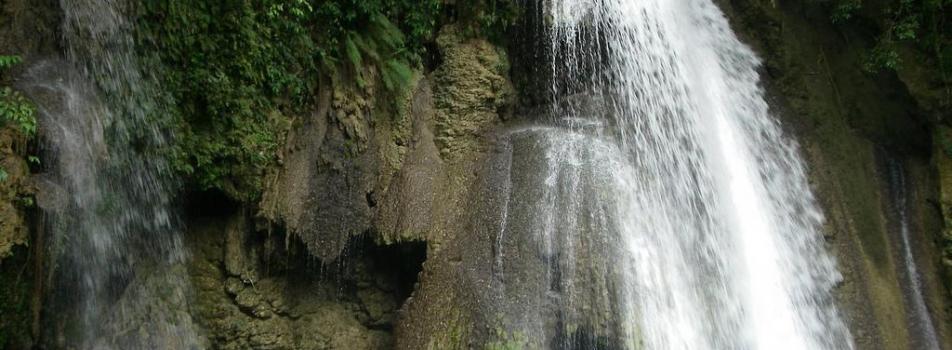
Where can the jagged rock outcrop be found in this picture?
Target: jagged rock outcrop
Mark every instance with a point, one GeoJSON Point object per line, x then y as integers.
{"type": "Point", "coordinates": [329, 171]}
{"type": "Point", "coordinates": [472, 95]}
{"type": "Point", "coordinates": [361, 166]}
{"type": "Point", "coordinates": [255, 292]}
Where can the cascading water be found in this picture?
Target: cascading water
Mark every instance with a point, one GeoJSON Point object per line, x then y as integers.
{"type": "Point", "coordinates": [921, 322]}
{"type": "Point", "coordinates": [671, 212]}
{"type": "Point", "coordinates": [113, 233]}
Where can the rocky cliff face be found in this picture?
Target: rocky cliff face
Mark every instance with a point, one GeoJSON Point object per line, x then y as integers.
{"type": "Point", "coordinates": [850, 123]}
{"type": "Point", "coordinates": [358, 178]}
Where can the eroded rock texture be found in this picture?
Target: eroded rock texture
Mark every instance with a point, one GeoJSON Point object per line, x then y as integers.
{"type": "Point", "coordinates": [252, 291]}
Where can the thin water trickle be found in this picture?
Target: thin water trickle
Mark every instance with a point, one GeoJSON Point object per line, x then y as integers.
{"type": "Point", "coordinates": [684, 219]}
{"type": "Point", "coordinates": [927, 338]}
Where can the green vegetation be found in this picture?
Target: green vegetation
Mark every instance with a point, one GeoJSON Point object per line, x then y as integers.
{"type": "Point", "coordinates": [236, 70]}
{"type": "Point", "coordinates": [14, 108]}
{"type": "Point", "coordinates": [506, 340]}
{"type": "Point", "coordinates": [494, 17]}
{"type": "Point", "coordinates": [918, 23]}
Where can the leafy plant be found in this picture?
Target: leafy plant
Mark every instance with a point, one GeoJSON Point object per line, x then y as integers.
{"type": "Point", "coordinates": [14, 108]}
{"type": "Point", "coordinates": [842, 11]}
{"type": "Point", "coordinates": [296, 8]}
{"type": "Point", "coordinates": [918, 23]}
{"type": "Point", "coordinates": [883, 56]}
{"type": "Point", "coordinates": [8, 61]}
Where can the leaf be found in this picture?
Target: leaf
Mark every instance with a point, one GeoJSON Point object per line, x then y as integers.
{"type": "Point", "coordinates": [353, 53]}
{"type": "Point", "coordinates": [396, 75]}
{"type": "Point", "coordinates": [9, 61]}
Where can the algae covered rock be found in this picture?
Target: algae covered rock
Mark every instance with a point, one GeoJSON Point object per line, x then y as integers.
{"type": "Point", "coordinates": [320, 191]}
{"type": "Point", "coordinates": [14, 192]}
{"type": "Point", "coordinates": [471, 89]}
{"type": "Point", "coordinates": [253, 293]}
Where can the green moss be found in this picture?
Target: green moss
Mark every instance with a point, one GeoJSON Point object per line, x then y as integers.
{"type": "Point", "coordinates": [488, 19]}
{"type": "Point", "coordinates": [506, 340]}
{"type": "Point", "coordinates": [471, 91]}
{"type": "Point", "coordinates": [454, 332]}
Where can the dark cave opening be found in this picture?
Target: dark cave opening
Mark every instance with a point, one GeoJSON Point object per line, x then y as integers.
{"type": "Point", "coordinates": [209, 203]}
{"type": "Point", "coordinates": [402, 262]}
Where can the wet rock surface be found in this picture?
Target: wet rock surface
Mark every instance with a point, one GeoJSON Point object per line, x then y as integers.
{"type": "Point", "coordinates": [848, 121]}
{"type": "Point", "coordinates": [252, 291]}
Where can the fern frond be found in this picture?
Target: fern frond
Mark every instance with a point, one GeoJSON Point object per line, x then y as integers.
{"type": "Point", "coordinates": [9, 61]}
{"type": "Point", "coordinates": [353, 53]}
{"type": "Point", "coordinates": [396, 75]}
{"type": "Point", "coordinates": [369, 47]}
{"type": "Point", "coordinates": [385, 32]}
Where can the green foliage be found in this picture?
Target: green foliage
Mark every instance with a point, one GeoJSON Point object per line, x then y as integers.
{"type": "Point", "coordinates": [14, 108]}
{"type": "Point", "coordinates": [8, 61]}
{"type": "Point", "coordinates": [489, 19]}
{"type": "Point", "coordinates": [296, 8]}
{"type": "Point", "coordinates": [26, 201]}
{"type": "Point", "coordinates": [396, 75]}
{"type": "Point", "coordinates": [883, 56]}
{"type": "Point", "coordinates": [229, 67]}
{"type": "Point", "coordinates": [415, 21]}
{"type": "Point", "coordinates": [235, 69]}
{"type": "Point", "coordinates": [844, 10]}
{"type": "Point", "coordinates": [353, 53]}
{"type": "Point", "coordinates": [383, 45]}
{"type": "Point", "coordinates": [497, 16]}
{"type": "Point", "coordinates": [918, 23]}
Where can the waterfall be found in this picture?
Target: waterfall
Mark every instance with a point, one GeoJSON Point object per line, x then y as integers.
{"type": "Point", "coordinates": [108, 191]}
{"type": "Point", "coordinates": [921, 320]}
{"type": "Point", "coordinates": [670, 210]}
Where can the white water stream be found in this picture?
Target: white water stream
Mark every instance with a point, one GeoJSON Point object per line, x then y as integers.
{"type": "Point", "coordinates": [720, 234]}
{"type": "Point", "coordinates": [116, 242]}
{"type": "Point", "coordinates": [925, 336]}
